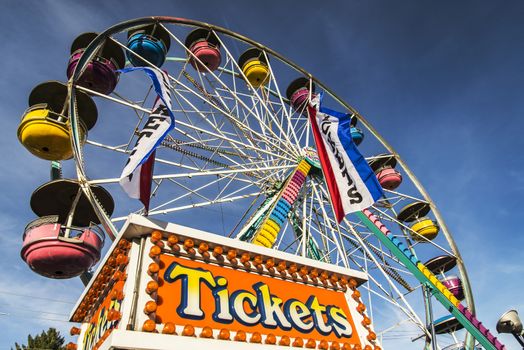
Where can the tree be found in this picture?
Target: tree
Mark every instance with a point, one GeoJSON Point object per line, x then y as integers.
{"type": "Point", "coordinates": [50, 340]}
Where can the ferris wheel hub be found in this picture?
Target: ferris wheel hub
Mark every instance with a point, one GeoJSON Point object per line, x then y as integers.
{"type": "Point", "coordinates": [311, 157]}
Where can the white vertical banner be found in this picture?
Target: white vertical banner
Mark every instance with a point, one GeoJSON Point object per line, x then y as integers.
{"type": "Point", "coordinates": [352, 184]}
{"type": "Point", "coordinates": [160, 122]}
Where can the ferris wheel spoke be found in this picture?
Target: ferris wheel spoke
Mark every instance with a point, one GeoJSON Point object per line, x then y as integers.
{"type": "Point", "coordinates": [187, 89]}
{"type": "Point", "coordinates": [214, 147]}
{"type": "Point", "coordinates": [127, 103]}
{"type": "Point", "coordinates": [220, 132]}
{"type": "Point", "coordinates": [412, 317]}
{"type": "Point", "coordinates": [203, 117]}
{"type": "Point", "coordinates": [233, 142]}
{"type": "Point", "coordinates": [239, 128]}
{"type": "Point", "coordinates": [214, 122]}
{"type": "Point", "coordinates": [210, 144]}
{"type": "Point", "coordinates": [233, 94]}
{"type": "Point", "coordinates": [222, 194]}
{"type": "Point", "coordinates": [391, 195]}
{"type": "Point", "coordinates": [284, 114]}
{"type": "Point", "coordinates": [265, 136]}
{"type": "Point", "coordinates": [120, 149]}
{"type": "Point", "coordinates": [392, 198]}
{"type": "Point", "coordinates": [176, 146]}
{"type": "Point", "coordinates": [266, 146]}
{"type": "Point", "coordinates": [140, 114]}
{"type": "Point", "coordinates": [223, 172]}
{"type": "Point", "coordinates": [257, 96]}
{"type": "Point", "coordinates": [322, 233]}
{"type": "Point", "coordinates": [316, 223]}
{"type": "Point", "coordinates": [260, 164]}
{"type": "Point", "coordinates": [379, 251]}
{"type": "Point", "coordinates": [262, 108]}
{"type": "Point", "coordinates": [201, 173]}
{"type": "Point", "coordinates": [303, 130]}
{"type": "Point", "coordinates": [341, 257]}
{"type": "Point", "coordinates": [188, 191]}
{"type": "Point", "coordinates": [137, 107]}
{"type": "Point", "coordinates": [270, 143]}
{"type": "Point", "coordinates": [193, 206]}
{"type": "Point", "coordinates": [389, 263]}
{"type": "Point", "coordinates": [394, 271]}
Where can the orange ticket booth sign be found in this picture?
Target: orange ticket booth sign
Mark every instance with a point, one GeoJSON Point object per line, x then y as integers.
{"type": "Point", "coordinates": [163, 286]}
{"type": "Point", "coordinates": [218, 297]}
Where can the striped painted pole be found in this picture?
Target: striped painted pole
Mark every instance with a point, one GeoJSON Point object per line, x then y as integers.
{"type": "Point", "coordinates": [268, 232]}
{"type": "Point", "coordinates": [426, 277]}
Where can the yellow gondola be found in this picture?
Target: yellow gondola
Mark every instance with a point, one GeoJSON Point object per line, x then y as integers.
{"type": "Point", "coordinates": [426, 228]}
{"type": "Point", "coordinates": [44, 130]}
{"type": "Point", "coordinates": [254, 65]}
{"type": "Point", "coordinates": [46, 134]}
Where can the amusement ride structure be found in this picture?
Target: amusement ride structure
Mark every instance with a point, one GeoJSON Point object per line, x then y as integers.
{"type": "Point", "coordinates": [241, 163]}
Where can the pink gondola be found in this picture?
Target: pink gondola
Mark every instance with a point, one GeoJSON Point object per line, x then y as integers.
{"type": "Point", "coordinates": [205, 48]}
{"type": "Point", "coordinates": [48, 252]}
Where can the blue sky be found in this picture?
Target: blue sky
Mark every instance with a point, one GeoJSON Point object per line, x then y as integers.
{"type": "Point", "coordinates": [442, 81]}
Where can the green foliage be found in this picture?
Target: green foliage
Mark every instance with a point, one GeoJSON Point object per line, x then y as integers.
{"type": "Point", "coordinates": [50, 340]}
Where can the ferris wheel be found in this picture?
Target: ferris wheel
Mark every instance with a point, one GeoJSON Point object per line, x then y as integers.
{"type": "Point", "coordinates": [240, 162]}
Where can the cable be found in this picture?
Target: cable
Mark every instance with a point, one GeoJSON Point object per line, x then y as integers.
{"type": "Point", "coordinates": [35, 297]}
{"type": "Point", "coordinates": [40, 318]}
{"type": "Point", "coordinates": [31, 310]}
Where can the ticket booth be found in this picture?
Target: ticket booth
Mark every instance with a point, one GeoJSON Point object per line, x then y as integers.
{"type": "Point", "coordinates": [165, 286]}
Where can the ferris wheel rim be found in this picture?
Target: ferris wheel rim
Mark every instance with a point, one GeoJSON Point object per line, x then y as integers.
{"type": "Point", "coordinates": [128, 25]}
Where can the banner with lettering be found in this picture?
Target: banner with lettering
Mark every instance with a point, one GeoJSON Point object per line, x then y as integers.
{"type": "Point", "coordinates": [352, 184]}
{"type": "Point", "coordinates": [137, 174]}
